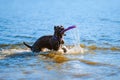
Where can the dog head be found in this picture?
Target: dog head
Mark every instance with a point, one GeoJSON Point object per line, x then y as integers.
{"type": "Point", "coordinates": [58, 31]}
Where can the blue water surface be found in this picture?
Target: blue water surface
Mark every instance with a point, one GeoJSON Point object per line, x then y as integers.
{"type": "Point", "coordinates": [98, 24]}
{"type": "Point", "coordinates": [98, 21]}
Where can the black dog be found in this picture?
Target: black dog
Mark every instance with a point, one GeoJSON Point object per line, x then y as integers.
{"type": "Point", "coordinates": [52, 42]}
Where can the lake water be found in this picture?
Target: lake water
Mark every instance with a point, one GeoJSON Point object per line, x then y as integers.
{"type": "Point", "coordinates": [97, 32]}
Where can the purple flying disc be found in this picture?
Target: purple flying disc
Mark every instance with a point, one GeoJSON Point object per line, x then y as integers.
{"type": "Point", "coordinates": [71, 27]}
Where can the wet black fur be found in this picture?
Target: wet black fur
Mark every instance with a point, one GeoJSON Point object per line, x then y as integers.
{"type": "Point", "coordinates": [52, 42]}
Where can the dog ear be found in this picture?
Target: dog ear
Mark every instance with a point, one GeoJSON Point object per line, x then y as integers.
{"type": "Point", "coordinates": [55, 27]}
{"type": "Point", "coordinates": [64, 34]}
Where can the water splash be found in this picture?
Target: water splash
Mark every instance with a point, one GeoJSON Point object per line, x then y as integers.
{"type": "Point", "coordinates": [75, 35]}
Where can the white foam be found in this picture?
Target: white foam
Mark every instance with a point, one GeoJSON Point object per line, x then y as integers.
{"type": "Point", "coordinates": [75, 35]}
{"type": "Point", "coordinates": [76, 50]}
{"type": "Point", "coordinates": [12, 51]}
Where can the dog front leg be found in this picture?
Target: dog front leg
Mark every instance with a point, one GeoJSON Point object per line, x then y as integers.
{"type": "Point", "coordinates": [65, 49]}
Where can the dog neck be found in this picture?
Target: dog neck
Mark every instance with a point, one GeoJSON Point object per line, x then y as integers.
{"type": "Point", "coordinates": [56, 38]}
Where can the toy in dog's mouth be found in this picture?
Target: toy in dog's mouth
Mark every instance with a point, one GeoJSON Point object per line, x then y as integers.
{"type": "Point", "coordinates": [71, 27]}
